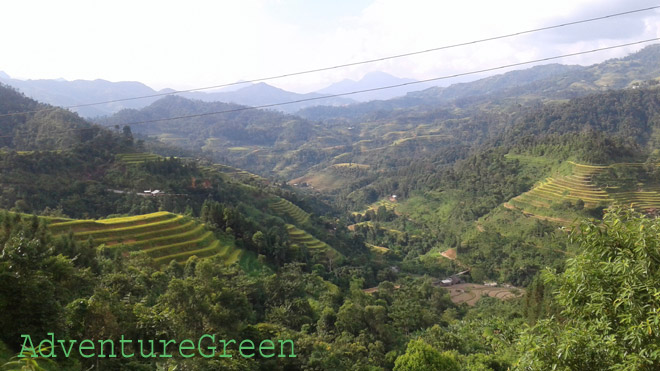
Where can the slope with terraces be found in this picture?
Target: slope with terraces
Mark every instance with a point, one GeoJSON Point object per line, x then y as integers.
{"type": "Point", "coordinates": [163, 236]}
{"type": "Point", "coordinates": [301, 238]}
{"type": "Point", "coordinates": [283, 207]}
{"type": "Point", "coordinates": [579, 185]}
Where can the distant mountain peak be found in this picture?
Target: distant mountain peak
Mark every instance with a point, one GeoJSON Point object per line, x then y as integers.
{"type": "Point", "coordinates": [4, 76]}
{"type": "Point", "coordinates": [371, 80]}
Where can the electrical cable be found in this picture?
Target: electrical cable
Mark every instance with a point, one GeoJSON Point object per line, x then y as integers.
{"type": "Point", "coordinates": [347, 64]}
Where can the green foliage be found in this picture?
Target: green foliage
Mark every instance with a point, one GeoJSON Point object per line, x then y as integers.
{"type": "Point", "coordinates": [420, 356]}
{"type": "Point", "coordinates": [608, 295]}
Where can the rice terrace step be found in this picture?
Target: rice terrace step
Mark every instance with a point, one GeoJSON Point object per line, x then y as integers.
{"type": "Point", "coordinates": [162, 235]}
{"type": "Point", "coordinates": [578, 185]}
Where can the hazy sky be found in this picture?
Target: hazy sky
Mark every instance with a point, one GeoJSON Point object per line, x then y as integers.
{"type": "Point", "coordinates": [194, 43]}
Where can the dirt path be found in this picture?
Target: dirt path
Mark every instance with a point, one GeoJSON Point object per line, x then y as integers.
{"type": "Point", "coordinates": [375, 289]}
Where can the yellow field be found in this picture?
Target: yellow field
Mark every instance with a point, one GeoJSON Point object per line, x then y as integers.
{"type": "Point", "coordinates": [163, 236]}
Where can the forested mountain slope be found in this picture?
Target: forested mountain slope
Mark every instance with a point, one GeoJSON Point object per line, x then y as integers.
{"type": "Point", "coordinates": [300, 275]}
{"type": "Point", "coordinates": [41, 127]}
{"type": "Point", "coordinates": [545, 82]}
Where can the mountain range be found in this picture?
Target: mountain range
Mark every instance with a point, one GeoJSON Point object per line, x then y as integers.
{"type": "Point", "coordinates": [76, 94]}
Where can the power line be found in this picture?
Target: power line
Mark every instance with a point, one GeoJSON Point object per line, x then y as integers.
{"type": "Point", "coordinates": [348, 64]}
{"type": "Point", "coordinates": [246, 108]}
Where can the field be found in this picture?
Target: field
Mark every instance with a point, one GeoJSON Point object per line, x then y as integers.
{"type": "Point", "coordinates": [163, 236]}
{"type": "Point", "coordinates": [284, 207]}
{"type": "Point", "coordinates": [137, 158]}
{"type": "Point", "coordinates": [470, 293]}
{"type": "Point", "coordinates": [325, 180]}
{"type": "Point", "coordinates": [333, 177]}
{"type": "Point", "coordinates": [300, 237]}
{"type": "Point", "coordinates": [389, 205]}
{"type": "Point", "coordinates": [578, 185]}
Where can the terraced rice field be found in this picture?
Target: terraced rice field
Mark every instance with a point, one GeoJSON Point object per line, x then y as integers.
{"type": "Point", "coordinates": [389, 205]}
{"type": "Point", "coordinates": [137, 158]}
{"type": "Point", "coordinates": [470, 293]}
{"type": "Point", "coordinates": [642, 199]}
{"type": "Point", "coordinates": [163, 236]}
{"type": "Point", "coordinates": [302, 238]}
{"type": "Point", "coordinates": [284, 207]}
{"type": "Point", "coordinates": [579, 186]}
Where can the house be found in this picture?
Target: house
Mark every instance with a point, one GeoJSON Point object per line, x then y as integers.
{"type": "Point", "coordinates": [453, 280]}
{"type": "Point", "coordinates": [149, 192]}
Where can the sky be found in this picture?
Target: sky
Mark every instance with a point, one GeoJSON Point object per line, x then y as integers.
{"type": "Point", "coordinates": [198, 43]}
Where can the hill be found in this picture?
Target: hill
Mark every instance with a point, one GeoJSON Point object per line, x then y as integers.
{"type": "Point", "coordinates": [107, 174]}
{"type": "Point", "coordinates": [81, 92]}
{"type": "Point", "coordinates": [260, 139]}
{"type": "Point", "coordinates": [42, 126]}
{"type": "Point", "coordinates": [544, 82]}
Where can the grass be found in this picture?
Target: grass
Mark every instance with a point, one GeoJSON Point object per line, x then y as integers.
{"type": "Point", "coordinates": [163, 236]}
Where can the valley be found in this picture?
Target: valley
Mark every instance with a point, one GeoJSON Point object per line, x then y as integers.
{"type": "Point", "coordinates": [344, 227]}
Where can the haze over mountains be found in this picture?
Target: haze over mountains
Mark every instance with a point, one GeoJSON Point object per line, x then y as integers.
{"type": "Point", "coordinates": [549, 81]}
{"type": "Point", "coordinates": [552, 80]}
{"type": "Point", "coordinates": [65, 93]}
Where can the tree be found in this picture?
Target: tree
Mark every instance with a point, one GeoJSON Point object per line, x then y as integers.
{"type": "Point", "coordinates": [259, 240]}
{"type": "Point", "coordinates": [420, 356]}
{"type": "Point", "coordinates": [610, 294]}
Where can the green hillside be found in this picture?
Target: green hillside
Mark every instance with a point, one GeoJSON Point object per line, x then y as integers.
{"type": "Point", "coordinates": [163, 235]}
